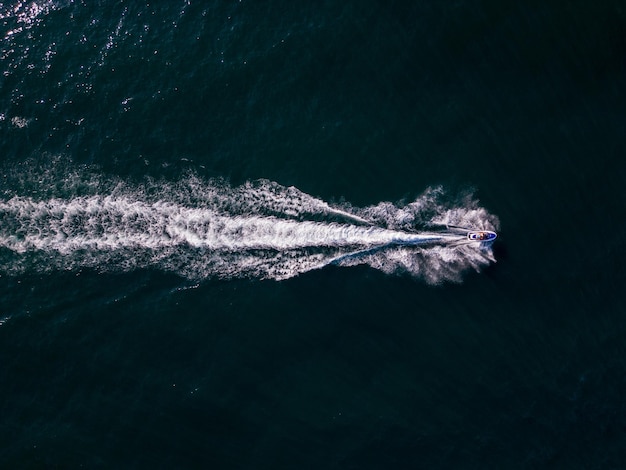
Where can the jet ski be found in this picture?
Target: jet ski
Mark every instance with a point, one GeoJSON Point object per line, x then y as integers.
{"type": "Point", "coordinates": [481, 236]}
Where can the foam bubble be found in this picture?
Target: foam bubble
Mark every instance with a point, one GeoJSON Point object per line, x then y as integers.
{"type": "Point", "coordinates": [19, 122]}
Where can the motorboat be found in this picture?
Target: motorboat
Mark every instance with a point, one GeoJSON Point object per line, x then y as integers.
{"type": "Point", "coordinates": [481, 236]}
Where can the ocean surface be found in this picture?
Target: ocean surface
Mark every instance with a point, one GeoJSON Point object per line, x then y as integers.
{"type": "Point", "coordinates": [227, 242]}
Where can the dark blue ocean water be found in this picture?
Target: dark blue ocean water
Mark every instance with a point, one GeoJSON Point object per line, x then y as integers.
{"type": "Point", "coordinates": [212, 222]}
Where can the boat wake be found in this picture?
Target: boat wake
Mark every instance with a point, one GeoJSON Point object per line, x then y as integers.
{"type": "Point", "coordinates": [202, 229]}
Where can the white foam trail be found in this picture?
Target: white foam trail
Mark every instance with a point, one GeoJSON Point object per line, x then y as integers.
{"type": "Point", "coordinates": [209, 229]}
{"type": "Point", "coordinates": [107, 223]}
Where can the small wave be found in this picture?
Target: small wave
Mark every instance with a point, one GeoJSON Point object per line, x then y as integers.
{"type": "Point", "coordinates": [19, 122]}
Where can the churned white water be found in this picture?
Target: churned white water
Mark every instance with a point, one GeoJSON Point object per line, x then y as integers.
{"type": "Point", "coordinates": [200, 229]}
